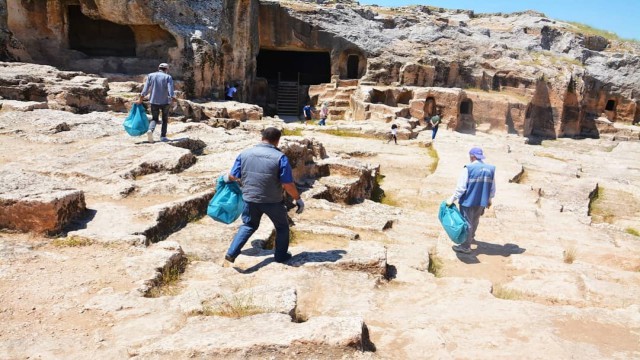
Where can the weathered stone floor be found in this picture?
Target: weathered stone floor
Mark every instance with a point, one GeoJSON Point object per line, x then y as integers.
{"type": "Point", "coordinates": [353, 266]}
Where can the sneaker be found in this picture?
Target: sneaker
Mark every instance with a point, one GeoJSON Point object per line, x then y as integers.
{"type": "Point", "coordinates": [164, 139]}
{"type": "Point", "coordinates": [150, 136]}
{"type": "Point", "coordinates": [460, 249]}
{"type": "Point", "coordinates": [285, 259]}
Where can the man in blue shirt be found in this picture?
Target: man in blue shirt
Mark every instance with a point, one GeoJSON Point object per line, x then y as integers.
{"type": "Point", "coordinates": [475, 189]}
{"type": "Point", "coordinates": [263, 172]}
{"type": "Point", "coordinates": [230, 92]}
{"type": "Point", "coordinates": [306, 111]}
{"type": "Point", "coordinates": [160, 85]}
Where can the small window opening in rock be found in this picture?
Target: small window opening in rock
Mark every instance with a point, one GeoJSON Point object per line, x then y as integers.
{"type": "Point", "coordinates": [466, 107]}
{"type": "Point", "coordinates": [99, 37]}
{"type": "Point", "coordinates": [311, 68]}
{"type": "Point", "coordinates": [611, 105]}
{"type": "Point", "coordinates": [353, 62]}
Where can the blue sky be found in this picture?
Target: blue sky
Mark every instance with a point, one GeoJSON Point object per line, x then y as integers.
{"type": "Point", "coordinates": [619, 16]}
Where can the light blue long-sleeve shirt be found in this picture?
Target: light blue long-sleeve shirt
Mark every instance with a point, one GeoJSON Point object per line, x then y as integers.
{"type": "Point", "coordinates": [461, 186]}
{"type": "Point", "coordinates": [160, 85]}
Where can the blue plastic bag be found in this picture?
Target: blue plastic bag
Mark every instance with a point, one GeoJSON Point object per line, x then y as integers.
{"type": "Point", "coordinates": [453, 223]}
{"type": "Point", "coordinates": [136, 123]}
{"type": "Point", "coordinates": [226, 205]}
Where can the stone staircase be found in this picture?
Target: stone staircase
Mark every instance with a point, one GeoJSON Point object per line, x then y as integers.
{"type": "Point", "coordinates": [288, 99]}
{"type": "Point", "coordinates": [337, 94]}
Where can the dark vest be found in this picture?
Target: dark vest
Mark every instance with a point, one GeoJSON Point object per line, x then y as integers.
{"type": "Point", "coordinates": [260, 168]}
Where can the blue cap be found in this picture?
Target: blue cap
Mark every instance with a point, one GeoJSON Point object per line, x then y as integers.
{"type": "Point", "coordinates": [477, 153]}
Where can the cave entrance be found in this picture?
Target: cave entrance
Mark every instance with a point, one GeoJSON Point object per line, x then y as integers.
{"type": "Point", "coordinates": [288, 75]}
{"type": "Point", "coordinates": [99, 37]}
{"type": "Point", "coordinates": [309, 68]}
{"type": "Point", "coordinates": [611, 105]}
{"type": "Point", "coordinates": [353, 63]}
{"type": "Point", "coordinates": [430, 107]}
{"type": "Point", "coordinates": [466, 107]}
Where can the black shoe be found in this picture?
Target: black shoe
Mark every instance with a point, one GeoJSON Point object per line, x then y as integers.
{"type": "Point", "coordinates": [229, 258]}
{"type": "Point", "coordinates": [285, 259]}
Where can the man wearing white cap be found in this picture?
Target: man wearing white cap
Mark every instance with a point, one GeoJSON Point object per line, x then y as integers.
{"type": "Point", "coordinates": [475, 189]}
{"type": "Point", "coordinates": [160, 85]}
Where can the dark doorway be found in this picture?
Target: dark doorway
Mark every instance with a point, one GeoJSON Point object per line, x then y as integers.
{"type": "Point", "coordinates": [312, 67]}
{"type": "Point", "coordinates": [466, 107]}
{"type": "Point", "coordinates": [611, 105]}
{"type": "Point", "coordinates": [99, 37]}
{"type": "Point", "coordinates": [353, 62]}
{"type": "Point", "coordinates": [430, 107]}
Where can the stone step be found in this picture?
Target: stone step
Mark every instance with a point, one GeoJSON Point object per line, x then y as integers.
{"type": "Point", "coordinates": [261, 336]}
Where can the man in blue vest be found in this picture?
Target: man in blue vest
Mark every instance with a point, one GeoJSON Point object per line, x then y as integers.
{"type": "Point", "coordinates": [263, 172]}
{"type": "Point", "coordinates": [160, 87]}
{"type": "Point", "coordinates": [475, 189]}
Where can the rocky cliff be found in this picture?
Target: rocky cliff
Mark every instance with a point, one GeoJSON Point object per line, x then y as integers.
{"type": "Point", "coordinates": [575, 75]}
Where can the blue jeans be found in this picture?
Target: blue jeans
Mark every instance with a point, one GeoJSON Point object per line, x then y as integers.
{"type": "Point", "coordinates": [251, 215]}
{"type": "Point", "coordinates": [472, 215]}
{"type": "Point", "coordinates": [434, 131]}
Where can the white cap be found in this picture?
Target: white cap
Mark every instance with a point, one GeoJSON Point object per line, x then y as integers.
{"type": "Point", "coordinates": [163, 66]}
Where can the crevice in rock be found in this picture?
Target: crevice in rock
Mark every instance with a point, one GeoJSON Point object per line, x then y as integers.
{"type": "Point", "coordinates": [177, 215]}
{"type": "Point", "coordinates": [518, 177]}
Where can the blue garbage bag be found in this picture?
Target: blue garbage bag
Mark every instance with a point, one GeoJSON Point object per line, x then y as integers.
{"type": "Point", "coordinates": [136, 123]}
{"type": "Point", "coordinates": [453, 223]}
{"type": "Point", "coordinates": [226, 205]}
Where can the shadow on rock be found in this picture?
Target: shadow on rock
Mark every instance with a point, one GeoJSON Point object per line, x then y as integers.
{"type": "Point", "coordinates": [485, 248]}
{"type": "Point", "coordinates": [298, 259]}
{"type": "Point", "coordinates": [316, 257]}
{"type": "Point", "coordinates": [81, 222]}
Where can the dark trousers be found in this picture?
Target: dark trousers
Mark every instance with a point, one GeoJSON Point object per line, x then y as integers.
{"type": "Point", "coordinates": [155, 112]}
{"type": "Point", "coordinates": [472, 215]}
{"type": "Point", "coordinates": [251, 215]}
{"type": "Point", "coordinates": [434, 131]}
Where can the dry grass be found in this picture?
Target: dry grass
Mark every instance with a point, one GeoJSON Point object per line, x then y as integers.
{"type": "Point", "coordinates": [547, 155]}
{"type": "Point", "coordinates": [234, 306]}
{"type": "Point", "coordinates": [435, 159]}
{"type": "Point", "coordinates": [348, 133]}
{"type": "Point", "coordinates": [501, 292]}
{"type": "Point", "coordinates": [436, 265]}
{"type": "Point", "coordinates": [632, 231]}
{"type": "Point", "coordinates": [590, 30]}
{"type": "Point", "coordinates": [292, 132]}
{"type": "Point", "coordinates": [569, 254]}
{"type": "Point", "coordinates": [71, 241]}
{"type": "Point", "coordinates": [169, 282]}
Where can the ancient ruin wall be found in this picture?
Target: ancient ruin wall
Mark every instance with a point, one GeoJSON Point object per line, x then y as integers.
{"type": "Point", "coordinates": [206, 43]}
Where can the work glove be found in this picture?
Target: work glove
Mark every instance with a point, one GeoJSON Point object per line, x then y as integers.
{"type": "Point", "coordinates": [225, 177]}
{"type": "Point", "coordinates": [449, 202]}
{"type": "Point", "coordinates": [300, 205]}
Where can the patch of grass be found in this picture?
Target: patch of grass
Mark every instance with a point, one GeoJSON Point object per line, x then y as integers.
{"type": "Point", "coordinates": [632, 231]}
{"type": "Point", "coordinates": [234, 306]}
{"type": "Point", "coordinates": [504, 293]}
{"type": "Point", "coordinates": [585, 29]}
{"type": "Point", "coordinates": [547, 155]}
{"type": "Point", "coordinates": [292, 132]}
{"type": "Point", "coordinates": [569, 254]}
{"type": "Point", "coordinates": [436, 265]}
{"type": "Point", "coordinates": [435, 159]}
{"type": "Point", "coordinates": [597, 208]}
{"type": "Point", "coordinates": [71, 241]}
{"type": "Point", "coordinates": [168, 283]}
{"type": "Point", "coordinates": [348, 133]}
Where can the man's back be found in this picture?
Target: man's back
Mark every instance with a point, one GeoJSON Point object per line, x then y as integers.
{"type": "Point", "coordinates": [260, 168]}
{"type": "Point", "coordinates": [160, 85]}
{"type": "Point", "coordinates": [479, 184]}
